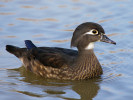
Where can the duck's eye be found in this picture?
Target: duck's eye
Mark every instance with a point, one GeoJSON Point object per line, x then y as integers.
{"type": "Point", "coordinates": [94, 31]}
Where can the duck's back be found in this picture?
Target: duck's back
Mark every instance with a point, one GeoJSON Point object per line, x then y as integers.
{"type": "Point", "coordinates": [48, 56]}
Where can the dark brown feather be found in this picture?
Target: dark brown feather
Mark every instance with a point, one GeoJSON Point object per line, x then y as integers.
{"type": "Point", "coordinates": [54, 57]}
{"type": "Point", "coordinates": [48, 56]}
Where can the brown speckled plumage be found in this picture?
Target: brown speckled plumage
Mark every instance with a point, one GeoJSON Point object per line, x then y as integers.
{"type": "Point", "coordinates": [61, 63]}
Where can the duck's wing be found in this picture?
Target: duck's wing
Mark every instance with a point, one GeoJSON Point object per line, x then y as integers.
{"type": "Point", "coordinates": [54, 57]}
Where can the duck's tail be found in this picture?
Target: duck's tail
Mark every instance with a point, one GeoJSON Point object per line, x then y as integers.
{"type": "Point", "coordinates": [19, 52]}
{"type": "Point", "coordinates": [15, 50]}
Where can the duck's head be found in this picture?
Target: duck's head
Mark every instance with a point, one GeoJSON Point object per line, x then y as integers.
{"type": "Point", "coordinates": [86, 34]}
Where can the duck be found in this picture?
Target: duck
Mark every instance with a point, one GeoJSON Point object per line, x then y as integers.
{"type": "Point", "coordinates": [64, 63]}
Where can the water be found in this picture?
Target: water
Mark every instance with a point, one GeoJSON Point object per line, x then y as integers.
{"type": "Point", "coordinates": [51, 23]}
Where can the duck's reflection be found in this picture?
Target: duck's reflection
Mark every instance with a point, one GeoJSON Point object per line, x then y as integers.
{"type": "Point", "coordinates": [70, 90]}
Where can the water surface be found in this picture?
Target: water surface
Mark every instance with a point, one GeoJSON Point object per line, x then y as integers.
{"type": "Point", "coordinates": [51, 23]}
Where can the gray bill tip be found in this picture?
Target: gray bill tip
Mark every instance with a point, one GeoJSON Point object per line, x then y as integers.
{"type": "Point", "coordinates": [107, 40]}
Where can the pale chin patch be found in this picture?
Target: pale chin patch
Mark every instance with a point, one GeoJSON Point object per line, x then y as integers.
{"type": "Point", "coordinates": [90, 46]}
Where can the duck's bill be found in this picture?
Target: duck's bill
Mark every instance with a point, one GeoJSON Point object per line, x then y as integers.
{"type": "Point", "coordinates": [107, 40]}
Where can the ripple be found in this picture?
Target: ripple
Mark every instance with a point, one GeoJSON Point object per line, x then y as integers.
{"type": "Point", "coordinates": [2, 5]}
{"type": "Point", "coordinates": [60, 41]}
{"type": "Point", "coordinates": [131, 22]}
{"type": "Point", "coordinates": [6, 0]}
{"type": "Point", "coordinates": [111, 77]}
{"type": "Point", "coordinates": [27, 6]}
{"type": "Point", "coordinates": [42, 8]}
{"type": "Point", "coordinates": [4, 13]}
{"type": "Point", "coordinates": [114, 34]}
{"type": "Point", "coordinates": [62, 6]}
{"type": "Point", "coordinates": [68, 25]}
{"type": "Point", "coordinates": [104, 20]}
{"type": "Point", "coordinates": [10, 36]}
{"type": "Point", "coordinates": [68, 30]}
{"type": "Point", "coordinates": [76, 8]}
{"type": "Point", "coordinates": [131, 30]}
{"type": "Point", "coordinates": [1, 29]}
{"type": "Point", "coordinates": [37, 20]}
{"type": "Point", "coordinates": [11, 24]}
{"type": "Point", "coordinates": [38, 35]}
{"type": "Point", "coordinates": [75, 0]}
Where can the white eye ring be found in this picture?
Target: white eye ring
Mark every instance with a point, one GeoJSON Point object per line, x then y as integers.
{"type": "Point", "coordinates": [92, 32]}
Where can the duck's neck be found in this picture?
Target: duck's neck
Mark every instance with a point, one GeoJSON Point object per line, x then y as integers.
{"type": "Point", "coordinates": [87, 65]}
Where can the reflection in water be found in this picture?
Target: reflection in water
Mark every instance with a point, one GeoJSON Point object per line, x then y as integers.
{"type": "Point", "coordinates": [85, 90]}
{"type": "Point", "coordinates": [28, 93]}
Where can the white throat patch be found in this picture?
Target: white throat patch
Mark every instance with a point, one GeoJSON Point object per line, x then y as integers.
{"type": "Point", "coordinates": [90, 46]}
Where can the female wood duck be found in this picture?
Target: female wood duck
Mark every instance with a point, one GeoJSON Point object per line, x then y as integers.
{"type": "Point", "coordinates": [61, 63]}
